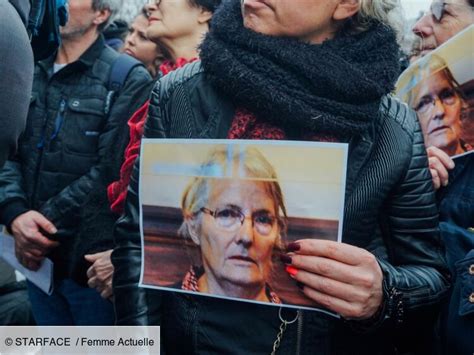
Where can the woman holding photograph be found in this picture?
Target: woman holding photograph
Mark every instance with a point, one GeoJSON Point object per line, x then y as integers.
{"type": "Point", "coordinates": [306, 70]}
{"type": "Point", "coordinates": [237, 224]}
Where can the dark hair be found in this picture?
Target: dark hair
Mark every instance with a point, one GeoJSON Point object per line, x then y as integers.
{"type": "Point", "coordinates": [471, 3]}
{"type": "Point", "coordinates": [210, 5]}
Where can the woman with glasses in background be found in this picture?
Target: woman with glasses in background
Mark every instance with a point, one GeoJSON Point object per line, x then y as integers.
{"type": "Point", "coordinates": [440, 104]}
{"type": "Point", "coordinates": [443, 21]}
{"type": "Point", "coordinates": [177, 27]}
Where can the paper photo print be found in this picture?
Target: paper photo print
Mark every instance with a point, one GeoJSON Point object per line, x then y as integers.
{"type": "Point", "coordinates": [217, 215]}
{"type": "Point", "coordinates": [440, 88]}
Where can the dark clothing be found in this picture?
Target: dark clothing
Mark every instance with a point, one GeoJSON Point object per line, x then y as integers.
{"type": "Point", "coordinates": [16, 73]}
{"type": "Point", "coordinates": [43, 26]}
{"type": "Point", "coordinates": [457, 223]}
{"type": "Point", "coordinates": [388, 187]}
{"type": "Point", "coordinates": [115, 34]}
{"type": "Point", "coordinates": [15, 307]}
{"type": "Point", "coordinates": [71, 150]}
{"type": "Point", "coordinates": [333, 88]}
{"type": "Point", "coordinates": [23, 8]}
{"type": "Point", "coordinates": [70, 304]}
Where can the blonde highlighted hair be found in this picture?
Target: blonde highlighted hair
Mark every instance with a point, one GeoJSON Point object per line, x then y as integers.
{"type": "Point", "coordinates": [388, 12]}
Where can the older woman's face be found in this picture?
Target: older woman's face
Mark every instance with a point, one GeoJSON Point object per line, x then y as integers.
{"type": "Point", "coordinates": [308, 20]}
{"type": "Point", "coordinates": [237, 242]}
{"type": "Point", "coordinates": [439, 110]}
{"type": "Point", "coordinates": [456, 15]}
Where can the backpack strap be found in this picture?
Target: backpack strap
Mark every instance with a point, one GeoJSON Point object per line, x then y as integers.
{"type": "Point", "coordinates": [120, 69]}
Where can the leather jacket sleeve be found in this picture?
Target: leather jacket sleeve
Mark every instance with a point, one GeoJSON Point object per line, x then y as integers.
{"type": "Point", "coordinates": [416, 276]}
{"type": "Point", "coordinates": [126, 257]}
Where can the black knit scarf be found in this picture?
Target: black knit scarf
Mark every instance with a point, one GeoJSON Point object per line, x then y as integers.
{"type": "Point", "coordinates": [333, 88]}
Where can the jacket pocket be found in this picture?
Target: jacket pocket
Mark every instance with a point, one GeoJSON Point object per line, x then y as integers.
{"type": "Point", "coordinates": [84, 121]}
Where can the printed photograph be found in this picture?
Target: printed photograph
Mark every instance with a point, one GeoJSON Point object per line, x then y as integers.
{"type": "Point", "coordinates": [440, 88]}
{"type": "Point", "coordinates": [217, 215]}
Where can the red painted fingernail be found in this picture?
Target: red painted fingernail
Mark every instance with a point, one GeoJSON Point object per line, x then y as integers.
{"type": "Point", "coordinates": [293, 247]}
{"type": "Point", "coordinates": [291, 270]}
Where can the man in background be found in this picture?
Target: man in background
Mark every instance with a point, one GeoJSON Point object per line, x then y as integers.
{"type": "Point", "coordinates": [55, 187]}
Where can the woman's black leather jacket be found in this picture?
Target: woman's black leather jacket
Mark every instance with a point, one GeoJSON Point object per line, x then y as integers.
{"type": "Point", "coordinates": [390, 210]}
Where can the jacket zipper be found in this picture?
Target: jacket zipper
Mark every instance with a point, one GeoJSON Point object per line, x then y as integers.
{"type": "Point", "coordinates": [59, 119]}
{"type": "Point", "coordinates": [41, 144]}
{"type": "Point", "coordinates": [299, 333]}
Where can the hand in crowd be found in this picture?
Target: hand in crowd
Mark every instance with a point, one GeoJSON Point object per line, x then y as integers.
{"type": "Point", "coordinates": [439, 163]}
{"type": "Point", "coordinates": [31, 245]}
{"type": "Point", "coordinates": [341, 277]}
{"type": "Point", "coordinates": [100, 273]}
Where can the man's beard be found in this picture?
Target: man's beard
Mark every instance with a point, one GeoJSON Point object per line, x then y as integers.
{"type": "Point", "coordinates": [74, 31]}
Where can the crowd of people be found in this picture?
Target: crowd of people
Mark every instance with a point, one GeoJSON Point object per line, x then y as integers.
{"type": "Point", "coordinates": [402, 280]}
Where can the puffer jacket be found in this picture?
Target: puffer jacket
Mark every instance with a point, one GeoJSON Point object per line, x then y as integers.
{"type": "Point", "coordinates": [71, 149]}
{"type": "Point", "coordinates": [390, 210]}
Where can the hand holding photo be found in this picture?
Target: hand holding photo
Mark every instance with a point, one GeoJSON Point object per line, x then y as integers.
{"type": "Point", "coordinates": [218, 219]}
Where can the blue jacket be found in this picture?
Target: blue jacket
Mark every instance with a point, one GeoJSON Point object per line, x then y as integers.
{"type": "Point", "coordinates": [457, 222]}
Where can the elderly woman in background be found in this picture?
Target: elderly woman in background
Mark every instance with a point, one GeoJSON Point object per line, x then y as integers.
{"type": "Point", "coordinates": [439, 103]}
{"type": "Point", "coordinates": [138, 45]}
{"type": "Point", "coordinates": [456, 197]}
{"type": "Point", "coordinates": [237, 222]}
{"type": "Point", "coordinates": [306, 70]}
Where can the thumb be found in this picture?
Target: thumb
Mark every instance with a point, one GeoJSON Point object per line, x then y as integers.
{"type": "Point", "coordinates": [91, 257]}
{"type": "Point", "coordinates": [44, 223]}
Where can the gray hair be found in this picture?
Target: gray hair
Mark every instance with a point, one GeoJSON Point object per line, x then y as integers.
{"type": "Point", "coordinates": [113, 6]}
{"type": "Point", "coordinates": [388, 12]}
{"type": "Point", "coordinates": [235, 162]}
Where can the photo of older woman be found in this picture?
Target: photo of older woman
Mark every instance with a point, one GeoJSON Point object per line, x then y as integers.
{"type": "Point", "coordinates": [440, 105]}
{"type": "Point", "coordinates": [237, 222]}
{"type": "Point", "coordinates": [218, 217]}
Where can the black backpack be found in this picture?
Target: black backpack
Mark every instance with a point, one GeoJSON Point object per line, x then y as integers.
{"type": "Point", "coordinates": [121, 68]}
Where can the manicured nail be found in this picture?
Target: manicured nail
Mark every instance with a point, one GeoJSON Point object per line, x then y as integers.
{"type": "Point", "coordinates": [53, 230]}
{"type": "Point", "coordinates": [293, 247]}
{"type": "Point", "coordinates": [291, 270]}
{"type": "Point", "coordinates": [286, 259]}
{"type": "Point", "coordinates": [300, 285]}
{"type": "Point", "coordinates": [445, 183]}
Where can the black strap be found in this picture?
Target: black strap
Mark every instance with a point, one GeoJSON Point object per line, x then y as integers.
{"type": "Point", "coordinates": [121, 68]}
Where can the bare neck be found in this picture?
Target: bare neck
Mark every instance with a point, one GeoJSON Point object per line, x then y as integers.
{"type": "Point", "coordinates": [71, 49]}
{"type": "Point", "coordinates": [185, 47]}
